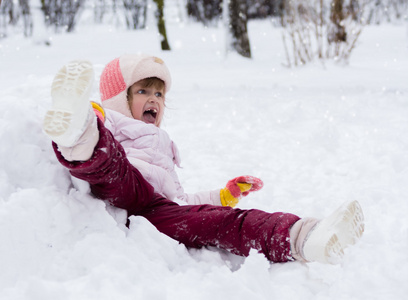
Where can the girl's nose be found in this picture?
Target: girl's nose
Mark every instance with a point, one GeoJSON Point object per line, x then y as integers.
{"type": "Point", "coordinates": [152, 99]}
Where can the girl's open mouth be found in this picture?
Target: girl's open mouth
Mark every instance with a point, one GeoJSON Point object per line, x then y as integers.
{"type": "Point", "coordinates": [150, 115]}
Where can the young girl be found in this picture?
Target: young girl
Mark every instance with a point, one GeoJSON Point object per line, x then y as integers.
{"type": "Point", "coordinates": [129, 161]}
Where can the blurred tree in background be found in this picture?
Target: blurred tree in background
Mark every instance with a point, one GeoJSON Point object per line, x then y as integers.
{"type": "Point", "coordinates": [135, 12]}
{"type": "Point", "coordinates": [311, 28]}
{"type": "Point", "coordinates": [207, 12]}
{"type": "Point", "coordinates": [238, 27]}
{"type": "Point", "coordinates": [323, 29]}
{"type": "Point", "coordinates": [61, 14]}
{"type": "Point", "coordinates": [161, 25]}
{"type": "Point", "coordinates": [12, 13]}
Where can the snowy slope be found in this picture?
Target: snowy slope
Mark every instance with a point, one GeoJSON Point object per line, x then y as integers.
{"type": "Point", "coordinates": [316, 135]}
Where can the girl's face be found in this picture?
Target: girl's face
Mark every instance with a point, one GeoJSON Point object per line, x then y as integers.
{"type": "Point", "coordinates": [146, 102]}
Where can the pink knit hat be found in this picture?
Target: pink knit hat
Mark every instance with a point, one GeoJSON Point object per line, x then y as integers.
{"type": "Point", "coordinates": [122, 72]}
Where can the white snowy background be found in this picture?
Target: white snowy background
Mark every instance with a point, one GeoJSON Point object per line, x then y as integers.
{"type": "Point", "coordinates": [317, 136]}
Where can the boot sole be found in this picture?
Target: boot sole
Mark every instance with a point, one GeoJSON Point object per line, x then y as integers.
{"type": "Point", "coordinates": [67, 119]}
{"type": "Point", "coordinates": [333, 250]}
{"type": "Point", "coordinates": [347, 222]}
{"type": "Point", "coordinates": [334, 233]}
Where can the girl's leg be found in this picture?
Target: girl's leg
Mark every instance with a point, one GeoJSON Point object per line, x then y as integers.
{"type": "Point", "coordinates": [70, 122]}
{"type": "Point", "coordinates": [235, 230]}
{"type": "Point", "coordinates": [113, 178]}
{"type": "Point", "coordinates": [89, 150]}
{"type": "Point", "coordinates": [110, 174]}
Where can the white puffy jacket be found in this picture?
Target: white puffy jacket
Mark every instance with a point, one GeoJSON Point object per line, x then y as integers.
{"type": "Point", "coordinates": [155, 155]}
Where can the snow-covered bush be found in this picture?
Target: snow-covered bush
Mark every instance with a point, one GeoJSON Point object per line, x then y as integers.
{"type": "Point", "coordinates": [323, 29]}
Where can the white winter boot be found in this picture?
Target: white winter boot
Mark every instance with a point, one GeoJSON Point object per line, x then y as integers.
{"type": "Point", "coordinates": [325, 240]}
{"type": "Point", "coordinates": [71, 110]}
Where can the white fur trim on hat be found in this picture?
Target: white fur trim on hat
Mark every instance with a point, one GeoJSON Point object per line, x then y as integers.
{"type": "Point", "coordinates": [123, 72]}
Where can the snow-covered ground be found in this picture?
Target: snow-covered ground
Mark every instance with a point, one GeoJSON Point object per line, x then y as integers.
{"type": "Point", "coordinates": [317, 136]}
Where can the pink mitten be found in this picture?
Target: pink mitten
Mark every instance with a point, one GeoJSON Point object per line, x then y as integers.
{"type": "Point", "coordinates": [237, 188]}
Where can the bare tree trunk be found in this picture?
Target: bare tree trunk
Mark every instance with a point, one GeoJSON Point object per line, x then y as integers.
{"type": "Point", "coordinates": [12, 12]}
{"type": "Point", "coordinates": [161, 24]}
{"type": "Point", "coordinates": [135, 12]}
{"type": "Point", "coordinates": [99, 11]}
{"type": "Point", "coordinates": [204, 11]}
{"type": "Point", "coordinates": [27, 18]}
{"type": "Point", "coordinates": [337, 17]}
{"type": "Point", "coordinates": [73, 8]}
{"type": "Point", "coordinates": [61, 14]}
{"type": "Point", "coordinates": [238, 27]}
{"type": "Point", "coordinates": [6, 15]}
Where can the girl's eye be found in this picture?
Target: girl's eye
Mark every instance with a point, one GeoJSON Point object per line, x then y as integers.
{"type": "Point", "coordinates": [141, 91]}
{"type": "Point", "coordinates": [158, 94]}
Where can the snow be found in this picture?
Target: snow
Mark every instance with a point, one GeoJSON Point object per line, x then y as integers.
{"type": "Point", "coordinates": [317, 136]}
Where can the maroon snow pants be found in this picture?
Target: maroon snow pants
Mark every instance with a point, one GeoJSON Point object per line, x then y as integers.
{"type": "Point", "coordinates": [113, 178]}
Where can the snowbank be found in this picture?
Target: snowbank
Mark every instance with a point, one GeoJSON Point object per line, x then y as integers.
{"type": "Point", "coordinates": [316, 136]}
